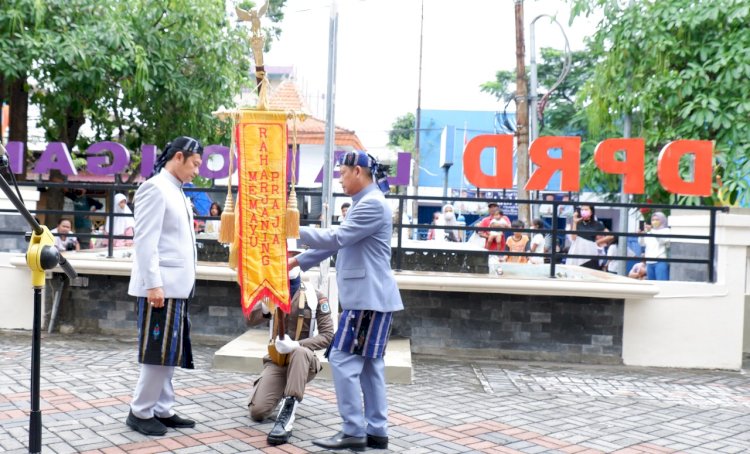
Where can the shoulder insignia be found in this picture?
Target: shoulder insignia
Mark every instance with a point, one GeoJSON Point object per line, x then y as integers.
{"type": "Point", "coordinates": [325, 309]}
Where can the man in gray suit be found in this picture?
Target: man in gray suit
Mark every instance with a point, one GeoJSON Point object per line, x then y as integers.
{"type": "Point", "coordinates": [368, 295]}
{"type": "Point", "coordinates": [162, 280]}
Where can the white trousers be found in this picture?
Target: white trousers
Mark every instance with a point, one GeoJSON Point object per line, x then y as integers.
{"type": "Point", "coordinates": [154, 394]}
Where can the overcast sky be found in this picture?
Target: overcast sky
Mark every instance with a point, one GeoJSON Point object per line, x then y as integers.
{"type": "Point", "coordinates": [464, 44]}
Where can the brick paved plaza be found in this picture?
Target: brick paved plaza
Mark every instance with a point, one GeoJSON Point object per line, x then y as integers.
{"type": "Point", "coordinates": [451, 407]}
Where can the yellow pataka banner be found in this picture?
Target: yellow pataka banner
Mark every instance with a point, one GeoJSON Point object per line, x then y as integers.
{"type": "Point", "coordinates": [262, 150]}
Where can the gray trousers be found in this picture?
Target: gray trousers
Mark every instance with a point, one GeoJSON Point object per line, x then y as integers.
{"type": "Point", "coordinates": [360, 385]}
{"type": "Point", "coordinates": [277, 381]}
{"type": "Point", "coordinates": [154, 394]}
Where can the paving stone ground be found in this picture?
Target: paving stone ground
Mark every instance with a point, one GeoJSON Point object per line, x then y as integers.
{"type": "Point", "coordinates": [451, 406]}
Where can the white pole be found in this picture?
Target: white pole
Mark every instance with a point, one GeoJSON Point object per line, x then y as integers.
{"type": "Point", "coordinates": [330, 141]}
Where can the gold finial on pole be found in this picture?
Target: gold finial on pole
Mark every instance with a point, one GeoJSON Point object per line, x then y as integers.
{"type": "Point", "coordinates": [257, 43]}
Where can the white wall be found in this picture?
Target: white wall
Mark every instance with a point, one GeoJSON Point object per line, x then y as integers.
{"type": "Point", "coordinates": [16, 292]}
{"type": "Point", "coordinates": [691, 324]}
{"type": "Point", "coordinates": [17, 300]}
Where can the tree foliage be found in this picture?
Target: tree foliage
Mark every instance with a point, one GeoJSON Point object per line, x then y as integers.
{"type": "Point", "coordinates": [560, 115]}
{"type": "Point", "coordinates": [681, 69]}
{"type": "Point", "coordinates": [139, 71]}
{"type": "Point", "coordinates": [402, 133]}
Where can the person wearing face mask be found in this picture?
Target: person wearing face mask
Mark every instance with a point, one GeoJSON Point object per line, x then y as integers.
{"type": "Point", "coordinates": [449, 218]}
{"type": "Point", "coordinates": [309, 327]}
{"type": "Point", "coordinates": [588, 237]}
{"type": "Point", "coordinates": [656, 246]}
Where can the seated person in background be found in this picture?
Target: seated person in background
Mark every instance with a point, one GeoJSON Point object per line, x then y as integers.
{"type": "Point", "coordinates": [538, 242]}
{"type": "Point", "coordinates": [496, 238]}
{"type": "Point", "coordinates": [485, 222]}
{"type": "Point", "coordinates": [449, 219]}
{"type": "Point", "coordinates": [495, 242]}
{"type": "Point", "coordinates": [519, 242]}
{"type": "Point", "coordinates": [310, 330]}
{"type": "Point", "coordinates": [639, 270]}
{"type": "Point", "coordinates": [198, 225]}
{"type": "Point", "coordinates": [214, 225]}
{"type": "Point", "coordinates": [63, 240]}
{"type": "Point", "coordinates": [434, 234]}
{"type": "Point", "coordinates": [122, 225]}
{"type": "Point", "coordinates": [344, 209]}
{"type": "Point", "coordinates": [545, 210]}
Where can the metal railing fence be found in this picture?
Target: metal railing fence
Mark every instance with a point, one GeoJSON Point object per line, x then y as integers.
{"type": "Point", "coordinates": [553, 256]}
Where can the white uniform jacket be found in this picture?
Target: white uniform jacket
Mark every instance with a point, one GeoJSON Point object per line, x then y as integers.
{"type": "Point", "coordinates": [164, 242]}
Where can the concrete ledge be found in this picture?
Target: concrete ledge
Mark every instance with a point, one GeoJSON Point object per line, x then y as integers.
{"type": "Point", "coordinates": [522, 279]}
{"type": "Point", "coordinates": [245, 354]}
{"type": "Point", "coordinates": [579, 282]}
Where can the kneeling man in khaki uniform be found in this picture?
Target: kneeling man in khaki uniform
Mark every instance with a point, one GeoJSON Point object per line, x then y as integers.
{"type": "Point", "coordinates": [307, 328]}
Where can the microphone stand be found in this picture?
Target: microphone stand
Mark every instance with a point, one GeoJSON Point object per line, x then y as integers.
{"type": "Point", "coordinates": [41, 255]}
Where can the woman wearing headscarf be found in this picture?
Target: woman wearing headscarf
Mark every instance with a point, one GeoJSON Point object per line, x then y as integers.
{"type": "Point", "coordinates": [449, 218]}
{"type": "Point", "coordinates": [122, 225]}
{"type": "Point", "coordinates": [656, 247]}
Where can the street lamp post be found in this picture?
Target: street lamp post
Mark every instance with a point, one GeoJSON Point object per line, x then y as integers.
{"type": "Point", "coordinates": [534, 96]}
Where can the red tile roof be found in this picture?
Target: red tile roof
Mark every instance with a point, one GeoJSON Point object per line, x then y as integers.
{"type": "Point", "coordinates": [311, 131]}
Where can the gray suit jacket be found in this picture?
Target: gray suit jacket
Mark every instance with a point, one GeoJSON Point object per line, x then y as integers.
{"type": "Point", "coordinates": [164, 241]}
{"type": "Point", "coordinates": [363, 265]}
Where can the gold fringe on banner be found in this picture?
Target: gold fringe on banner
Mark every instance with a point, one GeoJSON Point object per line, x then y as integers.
{"type": "Point", "coordinates": [226, 228]}
{"type": "Point", "coordinates": [292, 212]}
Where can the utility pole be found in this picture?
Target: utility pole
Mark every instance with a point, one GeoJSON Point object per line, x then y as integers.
{"type": "Point", "coordinates": [622, 241]}
{"type": "Point", "coordinates": [522, 118]}
{"type": "Point", "coordinates": [417, 124]}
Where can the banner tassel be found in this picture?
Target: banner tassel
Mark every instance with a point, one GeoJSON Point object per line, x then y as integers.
{"type": "Point", "coordinates": [292, 216]}
{"type": "Point", "coordinates": [226, 227]}
{"type": "Point", "coordinates": [292, 212]}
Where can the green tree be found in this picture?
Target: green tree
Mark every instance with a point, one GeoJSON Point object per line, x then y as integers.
{"type": "Point", "coordinates": [561, 115]}
{"type": "Point", "coordinates": [139, 71]}
{"type": "Point", "coordinates": [19, 48]}
{"type": "Point", "coordinates": [681, 69]}
{"type": "Point", "coordinates": [402, 133]}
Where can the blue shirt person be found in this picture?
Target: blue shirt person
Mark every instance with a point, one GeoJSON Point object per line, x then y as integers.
{"type": "Point", "coordinates": [368, 296]}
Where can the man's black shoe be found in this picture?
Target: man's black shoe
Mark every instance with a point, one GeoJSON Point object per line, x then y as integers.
{"type": "Point", "coordinates": [373, 441]}
{"type": "Point", "coordinates": [148, 426]}
{"type": "Point", "coordinates": [282, 430]}
{"type": "Point", "coordinates": [342, 441]}
{"type": "Point", "coordinates": [176, 422]}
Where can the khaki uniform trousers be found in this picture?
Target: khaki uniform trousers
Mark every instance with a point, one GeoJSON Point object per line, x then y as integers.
{"type": "Point", "coordinates": [276, 382]}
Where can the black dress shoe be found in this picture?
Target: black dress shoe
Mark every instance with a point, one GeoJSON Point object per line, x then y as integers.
{"type": "Point", "coordinates": [342, 441]}
{"type": "Point", "coordinates": [374, 441]}
{"type": "Point", "coordinates": [148, 426]}
{"type": "Point", "coordinates": [176, 422]}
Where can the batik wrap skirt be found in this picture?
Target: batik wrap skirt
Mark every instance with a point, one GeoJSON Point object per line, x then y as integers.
{"type": "Point", "coordinates": [164, 333]}
{"type": "Point", "coordinates": [363, 332]}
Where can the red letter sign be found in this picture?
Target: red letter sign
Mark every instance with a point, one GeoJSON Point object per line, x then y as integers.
{"type": "Point", "coordinates": [503, 177]}
{"type": "Point", "coordinates": [668, 167]}
{"type": "Point", "coordinates": [569, 163]}
{"type": "Point", "coordinates": [631, 168]}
